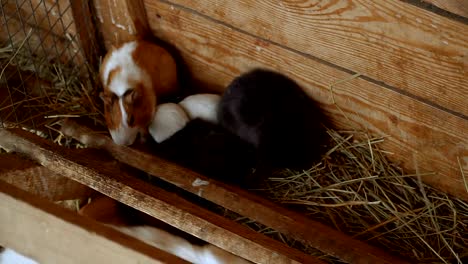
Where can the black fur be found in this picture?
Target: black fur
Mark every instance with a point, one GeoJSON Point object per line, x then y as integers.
{"type": "Point", "coordinates": [210, 150]}
{"type": "Point", "coordinates": [275, 115]}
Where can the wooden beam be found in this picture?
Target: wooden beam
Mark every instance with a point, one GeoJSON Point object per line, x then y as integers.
{"type": "Point", "coordinates": [459, 7]}
{"type": "Point", "coordinates": [113, 181]}
{"type": "Point", "coordinates": [86, 32]}
{"type": "Point", "coordinates": [217, 52]}
{"type": "Point", "coordinates": [49, 234]}
{"type": "Point", "coordinates": [121, 21]}
{"type": "Point", "coordinates": [38, 180]}
{"type": "Point", "coordinates": [292, 224]}
{"type": "Point", "coordinates": [403, 46]}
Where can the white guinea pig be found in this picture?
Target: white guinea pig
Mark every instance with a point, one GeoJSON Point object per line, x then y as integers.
{"type": "Point", "coordinates": [9, 256]}
{"type": "Point", "coordinates": [133, 76]}
{"type": "Point", "coordinates": [202, 106]}
{"type": "Point", "coordinates": [170, 117]}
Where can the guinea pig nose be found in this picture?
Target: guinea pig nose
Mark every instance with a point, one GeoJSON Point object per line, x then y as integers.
{"type": "Point", "coordinates": [122, 138]}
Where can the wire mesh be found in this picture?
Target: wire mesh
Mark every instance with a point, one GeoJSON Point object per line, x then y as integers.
{"type": "Point", "coordinates": [42, 60]}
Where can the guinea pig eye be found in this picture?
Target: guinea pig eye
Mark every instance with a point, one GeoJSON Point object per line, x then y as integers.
{"type": "Point", "coordinates": [114, 97]}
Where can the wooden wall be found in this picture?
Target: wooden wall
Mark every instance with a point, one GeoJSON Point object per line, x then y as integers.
{"type": "Point", "coordinates": [413, 63]}
{"type": "Point", "coordinates": [459, 7]}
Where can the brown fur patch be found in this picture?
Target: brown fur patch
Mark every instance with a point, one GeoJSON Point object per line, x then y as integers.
{"type": "Point", "coordinates": [140, 105]}
{"type": "Point", "coordinates": [159, 65]}
{"type": "Point", "coordinates": [112, 73]}
{"type": "Point", "coordinates": [112, 111]}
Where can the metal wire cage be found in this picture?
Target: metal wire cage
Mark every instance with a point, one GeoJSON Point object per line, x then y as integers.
{"type": "Point", "coordinates": [47, 51]}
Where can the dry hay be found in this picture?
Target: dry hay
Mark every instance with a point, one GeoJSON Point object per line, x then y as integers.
{"type": "Point", "coordinates": [358, 191]}
{"type": "Point", "coordinates": [39, 92]}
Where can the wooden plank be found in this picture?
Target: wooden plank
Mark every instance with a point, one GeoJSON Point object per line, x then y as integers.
{"type": "Point", "coordinates": [86, 32]}
{"type": "Point", "coordinates": [96, 172]}
{"type": "Point", "coordinates": [292, 224]}
{"type": "Point", "coordinates": [50, 234]}
{"type": "Point", "coordinates": [459, 7]}
{"type": "Point", "coordinates": [399, 44]}
{"type": "Point", "coordinates": [121, 21]}
{"type": "Point", "coordinates": [38, 180]}
{"type": "Point", "coordinates": [216, 53]}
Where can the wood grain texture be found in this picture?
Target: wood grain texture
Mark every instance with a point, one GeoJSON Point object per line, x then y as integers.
{"type": "Point", "coordinates": [292, 224]}
{"type": "Point", "coordinates": [50, 234]}
{"type": "Point", "coordinates": [86, 32]}
{"type": "Point", "coordinates": [38, 180]}
{"type": "Point", "coordinates": [459, 7]}
{"type": "Point", "coordinates": [216, 53]}
{"type": "Point", "coordinates": [106, 176]}
{"type": "Point", "coordinates": [391, 41]}
{"type": "Point", "coordinates": [121, 21]}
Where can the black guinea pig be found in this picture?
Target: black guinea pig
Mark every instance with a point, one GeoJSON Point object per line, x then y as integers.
{"type": "Point", "coordinates": [274, 114]}
{"type": "Point", "coordinates": [210, 150]}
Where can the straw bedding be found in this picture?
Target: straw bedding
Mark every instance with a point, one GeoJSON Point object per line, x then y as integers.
{"type": "Point", "coordinates": [354, 188]}
{"type": "Point", "coordinates": [50, 90]}
{"type": "Point", "coordinates": [359, 192]}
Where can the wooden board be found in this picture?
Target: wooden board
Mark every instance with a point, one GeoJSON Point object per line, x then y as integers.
{"type": "Point", "coordinates": [216, 53]}
{"type": "Point", "coordinates": [406, 47]}
{"type": "Point", "coordinates": [289, 223]}
{"type": "Point", "coordinates": [108, 177]}
{"type": "Point", "coordinates": [50, 234]}
{"type": "Point", "coordinates": [120, 21]}
{"type": "Point", "coordinates": [86, 32]}
{"type": "Point", "coordinates": [459, 7]}
{"type": "Point", "coordinates": [38, 180]}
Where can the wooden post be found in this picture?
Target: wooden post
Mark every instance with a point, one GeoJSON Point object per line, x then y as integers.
{"type": "Point", "coordinates": [86, 32]}
{"type": "Point", "coordinates": [121, 21]}
{"type": "Point", "coordinates": [50, 234]}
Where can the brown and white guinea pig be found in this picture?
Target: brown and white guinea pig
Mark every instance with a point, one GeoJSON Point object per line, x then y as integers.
{"type": "Point", "coordinates": [134, 75]}
{"type": "Point", "coordinates": [200, 144]}
{"type": "Point", "coordinates": [273, 113]}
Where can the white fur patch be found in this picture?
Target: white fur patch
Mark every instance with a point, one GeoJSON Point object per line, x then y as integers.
{"type": "Point", "coordinates": [129, 70]}
{"type": "Point", "coordinates": [180, 247]}
{"type": "Point", "coordinates": [124, 113]}
{"type": "Point", "coordinates": [9, 256]}
{"type": "Point", "coordinates": [124, 135]}
{"type": "Point", "coordinates": [202, 106]}
{"type": "Point", "coordinates": [168, 119]}
{"type": "Point", "coordinates": [199, 182]}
